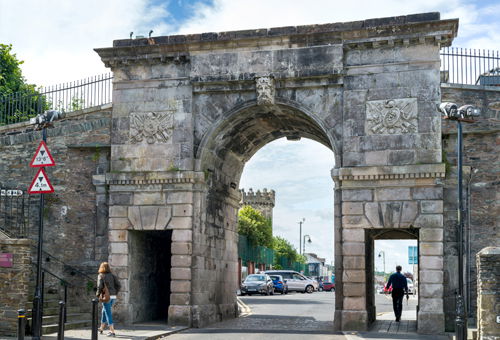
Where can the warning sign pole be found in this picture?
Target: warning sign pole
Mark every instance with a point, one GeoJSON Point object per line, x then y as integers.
{"type": "Point", "coordinates": [38, 300]}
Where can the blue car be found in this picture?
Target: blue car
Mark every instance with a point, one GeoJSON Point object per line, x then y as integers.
{"type": "Point", "coordinates": [280, 284]}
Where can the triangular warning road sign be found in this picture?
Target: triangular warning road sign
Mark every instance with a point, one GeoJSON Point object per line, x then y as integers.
{"type": "Point", "coordinates": [40, 184]}
{"type": "Point", "coordinates": [42, 157]}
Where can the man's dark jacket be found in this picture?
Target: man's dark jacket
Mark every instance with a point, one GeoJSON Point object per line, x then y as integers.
{"type": "Point", "coordinates": [397, 281]}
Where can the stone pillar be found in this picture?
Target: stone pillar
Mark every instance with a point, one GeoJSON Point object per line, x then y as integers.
{"type": "Point", "coordinates": [488, 293]}
{"type": "Point", "coordinates": [405, 201]}
{"type": "Point", "coordinates": [153, 202]}
{"type": "Point", "coordinates": [14, 282]}
{"type": "Point", "coordinates": [430, 264]}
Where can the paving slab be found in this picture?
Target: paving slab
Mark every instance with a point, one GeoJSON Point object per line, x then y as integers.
{"type": "Point", "coordinates": [142, 331]}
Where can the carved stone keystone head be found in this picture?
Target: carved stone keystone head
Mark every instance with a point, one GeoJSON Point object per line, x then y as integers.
{"type": "Point", "coordinates": [265, 90]}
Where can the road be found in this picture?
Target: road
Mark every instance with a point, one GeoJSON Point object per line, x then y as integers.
{"type": "Point", "coordinates": [294, 316]}
{"type": "Point", "coordinates": [297, 316]}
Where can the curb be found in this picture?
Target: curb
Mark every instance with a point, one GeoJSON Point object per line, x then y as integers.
{"type": "Point", "coordinates": [164, 335]}
{"type": "Point", "coordinates": [243, 308]}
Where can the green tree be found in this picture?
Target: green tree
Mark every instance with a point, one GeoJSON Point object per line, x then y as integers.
{"type": "Point", "coordinates": [284, 249]}
{"type": "Point", "coordinates": [255, 227]}
{"type": "Point", "coordinates": [18, 99]}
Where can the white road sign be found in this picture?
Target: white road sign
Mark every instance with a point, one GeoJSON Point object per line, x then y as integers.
{"type": "Point", "coordinates": [40, 184]}
{"type": "Point", "coordinates": [42, 157]}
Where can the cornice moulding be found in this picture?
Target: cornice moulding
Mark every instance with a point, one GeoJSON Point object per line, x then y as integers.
{"type": "Point", "coordinates": [371, 173]}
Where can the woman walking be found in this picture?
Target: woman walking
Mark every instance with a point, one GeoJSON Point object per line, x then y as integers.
{"type": "Point", "coordinates": [108, 280]}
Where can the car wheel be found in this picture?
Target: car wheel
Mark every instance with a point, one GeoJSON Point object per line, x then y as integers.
{"type": "Point", "coordinates": [272, 291]}
{"type": "Point", "coordinates": [286, 291]}
{"type": "Point", "coordinates": [309, 289]}
{"type": "Point", "coordinates": [243, 294]}
{"type": "Point", "coordinates": [268, 292]}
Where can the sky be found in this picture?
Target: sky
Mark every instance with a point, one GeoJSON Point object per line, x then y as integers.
{"type": "Point", "coordinates": [56, 38]}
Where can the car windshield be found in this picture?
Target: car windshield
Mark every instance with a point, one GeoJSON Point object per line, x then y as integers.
{"type": "Point", "coordinates": [255, 278]}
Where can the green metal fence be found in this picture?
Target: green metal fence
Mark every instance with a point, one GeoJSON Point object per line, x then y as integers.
{"type": "Point", "coordinates": [258, 254]}
{"type": "Point", "coordinates": [262, 255]}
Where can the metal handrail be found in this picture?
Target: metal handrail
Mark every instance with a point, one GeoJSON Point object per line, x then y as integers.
{"type": "Point", "coordinates": [73, 269]}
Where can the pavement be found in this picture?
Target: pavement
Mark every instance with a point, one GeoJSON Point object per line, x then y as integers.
{"type": "Point", "coordinates": [291, 317]}
{"type": "Point", "coordinates": [141, 331]}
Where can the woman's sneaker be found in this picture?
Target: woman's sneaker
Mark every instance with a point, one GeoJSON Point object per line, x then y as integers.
{"type": "Point", "coordinates": [111, 334]}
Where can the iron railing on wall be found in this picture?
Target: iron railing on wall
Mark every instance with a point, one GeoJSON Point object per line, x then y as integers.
{"type": "Point", "coordinates": [18, 212]}
{"type": "Point", "coordinates": [470, 66]}
{"type": "Point", "coordinates": [66, 97]}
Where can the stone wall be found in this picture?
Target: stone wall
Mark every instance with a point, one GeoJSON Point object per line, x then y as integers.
{"type": "Point", "coordinates": [14, 283]}
{"type": "Point", "coordinates": [488, 299]}
{"type": "Point", "coordinates": [75, 216]}
{"type": "Point", "coordinates": [481, 174]}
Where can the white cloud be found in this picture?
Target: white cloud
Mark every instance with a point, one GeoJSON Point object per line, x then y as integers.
{"type": "Point", "coordinates": [241, 14]}
{"type": "Point", "coordinates": [56, 38]}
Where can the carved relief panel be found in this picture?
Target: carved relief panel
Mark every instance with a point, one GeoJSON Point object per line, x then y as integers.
{"type": "Point", "coordinates": [151, 127]}
{"type": "Point", "coordinates": [393, 116]}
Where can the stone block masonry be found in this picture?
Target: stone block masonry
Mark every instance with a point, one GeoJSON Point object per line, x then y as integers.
{"type": "Point", "coordinates": [488, 293]}
{"type": "Point", "coordinates": [14, 283]}
{"type": "Point", "coordinates": [203, 104]}
{"type": "Point", "coordinates": [481, 174]}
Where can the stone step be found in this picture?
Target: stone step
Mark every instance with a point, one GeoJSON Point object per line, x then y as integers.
{"type": "Point", "coordinates": [55, 310]}
{"type": "Point", "coordinates": [53, 328]}
{"type": "Point", "coordinates": [73, 317]}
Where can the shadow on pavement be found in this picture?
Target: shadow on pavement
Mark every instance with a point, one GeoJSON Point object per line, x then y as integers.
{"type": "Point", "coordinates": [253, 331]}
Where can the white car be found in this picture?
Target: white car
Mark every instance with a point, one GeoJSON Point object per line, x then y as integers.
{"type": "Point", "coordinates": [411, 286]}
{"type": "Point", "coordinates": [296, 281]}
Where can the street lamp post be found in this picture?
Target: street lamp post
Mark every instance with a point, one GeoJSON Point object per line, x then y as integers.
{"type": "Point", "coordinates": [382, 255]}
{"type": "Point", "coordinates": [304, 244]}
{"type": "Point", "coordinates": [465, 114]}
{"type": "Point", "coordinates": [300, 235]}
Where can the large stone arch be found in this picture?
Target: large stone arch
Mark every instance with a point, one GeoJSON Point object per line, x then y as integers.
{"type": "Point", "coordinates": [188, 111]}
{"type": "Point", "coordinates": [222, 154]}
{"type": "Point", "coordinates": [285, 118]}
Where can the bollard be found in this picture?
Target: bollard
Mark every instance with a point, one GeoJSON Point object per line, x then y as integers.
{"type": "Point", "coordinates": [21, 324]}
{"type": "Point", "coordinates": [60, 330]}
{"type": "Point", "coordinates": [94, 319]}
{"type": "Point", "coordinates": [36, 318]}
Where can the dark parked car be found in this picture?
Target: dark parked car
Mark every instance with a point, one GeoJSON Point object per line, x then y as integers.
{"type": "Point", "coordinates": [280, 284]}
{"type": "Point", "coordinates": [328, 286]}
{"type": "Point", "coordinates": [257, 284]}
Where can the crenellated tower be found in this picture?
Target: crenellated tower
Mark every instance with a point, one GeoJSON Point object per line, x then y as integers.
{"type": "Point", "coordinates": [263, 201]}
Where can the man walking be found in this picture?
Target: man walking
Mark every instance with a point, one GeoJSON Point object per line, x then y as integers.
{"type": "Point", "coordinates": [399, 288]}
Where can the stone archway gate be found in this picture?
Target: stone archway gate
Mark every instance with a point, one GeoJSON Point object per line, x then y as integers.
{"type": "Point", "coordinates": [190, 110]}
